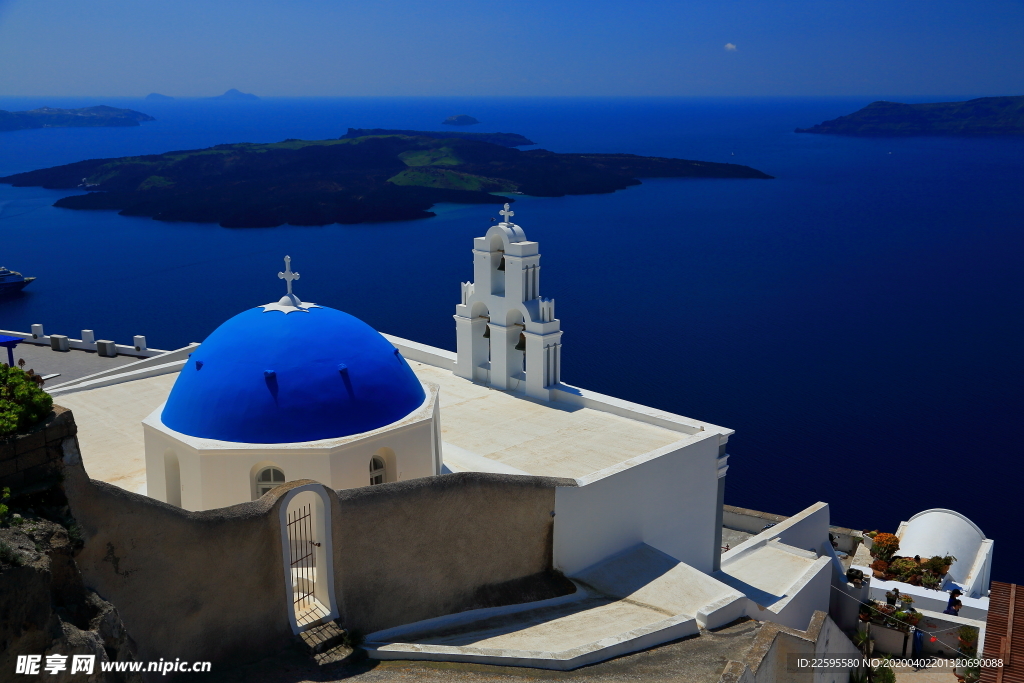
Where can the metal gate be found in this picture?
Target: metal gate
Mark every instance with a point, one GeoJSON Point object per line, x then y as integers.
{"type": "Point", "coordinates": [303, 546]}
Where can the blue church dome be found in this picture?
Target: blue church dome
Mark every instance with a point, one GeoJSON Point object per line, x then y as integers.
{"type": "Point", "coordinates": [270, 375]}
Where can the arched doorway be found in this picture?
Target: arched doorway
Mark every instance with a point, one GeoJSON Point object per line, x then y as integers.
{"type": "Point", "coordinates": [306, 542]}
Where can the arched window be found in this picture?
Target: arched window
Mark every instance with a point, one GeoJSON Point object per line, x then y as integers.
{"type": "Point", "coordinates": [268, 478]}
{"type": "Point", "coordinates": [377, 470]}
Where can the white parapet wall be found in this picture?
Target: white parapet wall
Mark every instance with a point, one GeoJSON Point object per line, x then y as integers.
{"type": "Point", "coordinates": [927, 598]}
{"type": "Point", "coordinates": [38, 338]}
{"type": "Point", "coordinates": [161, 364]}
{"type": "Point", "coordinates": [665, 498]}
{"type": "Point", "coordinates": [786, 571]}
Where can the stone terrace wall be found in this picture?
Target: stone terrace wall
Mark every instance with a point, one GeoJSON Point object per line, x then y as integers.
{"type": "Point", "coordinates": [36, 457]}
{"type": "Point", "coordinates": [194, 585]}
{"type": "Point", "coordinates": [427, 547]}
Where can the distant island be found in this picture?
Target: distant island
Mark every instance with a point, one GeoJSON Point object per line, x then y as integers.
{"type": "Point", "coordinates": [503, 139]}
{"type": "Point", "coordinates": [460, 120]}
{"type": "Point", "coordinates": [87, 117]}
{"type": "Point", "coordinates": [985, 116]}
{"type": "Point", "coordinates": [349, 180]}
{"type": "Point", "coordinates": [157, 97]}
{"type": "Point", "coordinates": [235, 95]}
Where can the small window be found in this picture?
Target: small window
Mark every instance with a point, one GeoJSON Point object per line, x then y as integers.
{"type": "Point", "coordinates": [268, 478]}
{"type": "Point", "coordinates": [377, 470]}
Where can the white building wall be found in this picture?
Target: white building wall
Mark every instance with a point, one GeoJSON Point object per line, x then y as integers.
{"type": "Point", "coordinates": [665, 499]}
{"type": "Point", "coordinates": [217, 474]}
{"type": "Point", "coordinates": [403, 452]}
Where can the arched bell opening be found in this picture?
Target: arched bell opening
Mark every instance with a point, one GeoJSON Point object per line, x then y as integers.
{"type": "Point", "coordinates": [309, 560]}
{"type": "Point", "coordinates": [497, 250]}
{"type": "Point", "coordinates": [515, 341]}
{"type": "Point", "coordinates": [480, 341]}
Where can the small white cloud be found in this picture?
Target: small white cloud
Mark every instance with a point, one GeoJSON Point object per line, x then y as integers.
{"type": "Point", "coordinates": [729, 47]}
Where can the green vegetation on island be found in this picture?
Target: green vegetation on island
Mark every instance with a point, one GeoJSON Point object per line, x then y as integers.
{"type": "Point", "coordinates": [361, 179]}
{"type": "Point", "coordinates": [503, 139]}
{"type": "Point", "coordinates": [49, 117]}
{"type": "Point", "coordinates": [981, 117]}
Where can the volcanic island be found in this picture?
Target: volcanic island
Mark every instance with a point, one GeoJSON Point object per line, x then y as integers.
{"type": "Point", "coordinates": [365, 176]}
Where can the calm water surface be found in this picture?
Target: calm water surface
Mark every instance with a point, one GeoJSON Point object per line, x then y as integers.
{"type": "Point", "coordinates": [857, 320]}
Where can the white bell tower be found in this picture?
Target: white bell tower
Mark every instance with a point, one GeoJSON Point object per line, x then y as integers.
{"type": "Point", "coordinates": [508, 336]}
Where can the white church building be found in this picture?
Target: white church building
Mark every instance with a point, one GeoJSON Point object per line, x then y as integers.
{"type": "Point", "coordinates": [293, 390]}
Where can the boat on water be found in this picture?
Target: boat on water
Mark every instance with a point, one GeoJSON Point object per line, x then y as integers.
{"type": "Point", "coordinates": [12, 281]}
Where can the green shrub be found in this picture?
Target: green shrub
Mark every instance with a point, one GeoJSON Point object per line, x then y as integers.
{"type": "Point", "coordinates": [936, 565]}
{"type": "Point", "coordinates": [22, 402]}
{"type": "Point", "coordinates": [884, 673]}
{"type": "Point", "coordinates": [9, 555]}
{"type": "Point", "coordinates": [904, 568]}
{"type": "Point", "coordinates": [5, 495]}
{"type": "Point", "coordinates": [968, 634]}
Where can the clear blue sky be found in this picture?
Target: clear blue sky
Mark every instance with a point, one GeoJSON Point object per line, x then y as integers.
{"type": "Point", "coordinates": [515, 47]}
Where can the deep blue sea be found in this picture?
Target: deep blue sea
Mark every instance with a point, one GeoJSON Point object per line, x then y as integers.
{"type": "Point", "coordinates": [858, 320]}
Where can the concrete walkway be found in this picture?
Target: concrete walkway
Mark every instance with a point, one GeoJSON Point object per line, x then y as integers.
{"type": "Point", "coordinates": [632, 601]}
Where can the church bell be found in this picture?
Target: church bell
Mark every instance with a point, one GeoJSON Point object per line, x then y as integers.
{"type": "Point", "coordinates": [487, 331]}
{"type": "Point", "coordinates": [501, 263]}
{"type": "Point", "coordinates": [521, 344]}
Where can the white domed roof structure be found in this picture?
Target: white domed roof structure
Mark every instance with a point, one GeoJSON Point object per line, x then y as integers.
{"type": "Point", "coordinates": [286, 391]}
{"type": "Point", "coordinates": [947, 532]}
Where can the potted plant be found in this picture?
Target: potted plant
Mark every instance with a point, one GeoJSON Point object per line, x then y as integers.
{"type": "Point", "coordinates": [855, 576]}
{"type": "Point", "coordinates": [938, 565]}
{"type": "Point", "coordinates": [884, 546]}
{"type": "Point", "coordinates": [879, 568]}
{"type": "Point", "coordinates": [882, 613]}
{"type": "Point", "coordinates": [906, 601]}
{"type": "Point", "coordinates": [929, 580]}
{"type": "Point", "coordinates": [865, 612]}
{"type": "Point", "coordinates": [892, 596]}
{"type": "Point", "coordinates": [968, 638]}
{"type": "Point", "coordinates": [899, 620]}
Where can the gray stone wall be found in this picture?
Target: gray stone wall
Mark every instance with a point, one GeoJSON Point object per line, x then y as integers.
{"type": "Point", "coordinates": [35, 457]}
{"type": "Point", "coordinates": [428, 547]}
{"type": "Point", "coordinates": [194, 585]}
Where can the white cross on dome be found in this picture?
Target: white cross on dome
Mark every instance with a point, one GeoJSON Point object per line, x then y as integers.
{"type": "Point", "coordinates": [289, 302]}
{"type": "Point", "coordinates": [288, 276]}
{"type": "Point", "coordinates": [507, 214]}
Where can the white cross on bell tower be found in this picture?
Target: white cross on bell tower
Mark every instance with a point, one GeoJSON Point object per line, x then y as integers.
{"type": "Point", "coordinates": [507, 214]}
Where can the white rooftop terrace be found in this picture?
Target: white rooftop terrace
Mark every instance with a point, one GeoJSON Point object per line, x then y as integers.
{"type": "Point", "coordinates": [483, 429]}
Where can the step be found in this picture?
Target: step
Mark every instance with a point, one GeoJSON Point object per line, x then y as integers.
{"type": "Point", "coordinates": [322, 637]}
